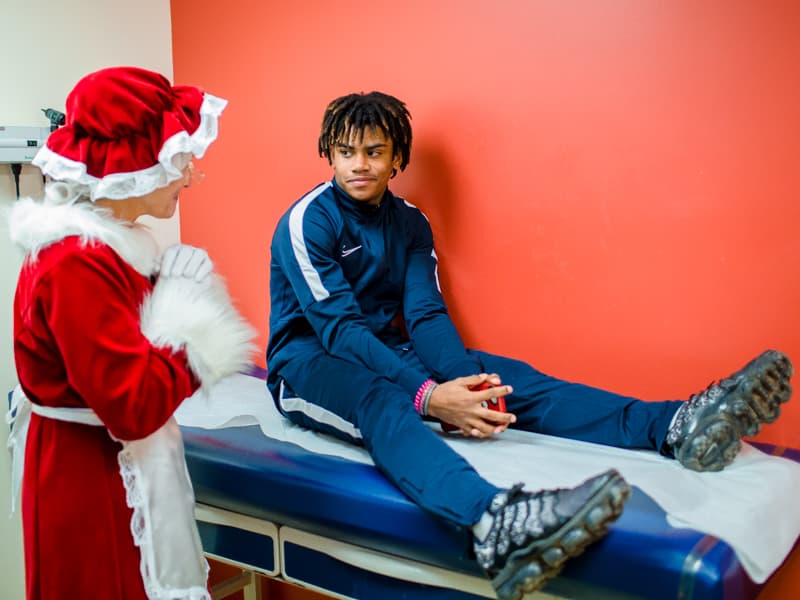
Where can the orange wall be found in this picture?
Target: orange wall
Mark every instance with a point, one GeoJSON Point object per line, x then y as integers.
{"type": "Point", "coordinates": [612, 185]}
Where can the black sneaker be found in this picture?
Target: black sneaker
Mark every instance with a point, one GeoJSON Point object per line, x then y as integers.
{"type": "Point", "coordinates": [533, 534]}
{"type": "Point", "coordinates": [707, 431]}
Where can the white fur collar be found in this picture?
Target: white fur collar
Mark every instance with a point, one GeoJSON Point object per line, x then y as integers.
{"type": "Point", "coordinates": [33, 225]}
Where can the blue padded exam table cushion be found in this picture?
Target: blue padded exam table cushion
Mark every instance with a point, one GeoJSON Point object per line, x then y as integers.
{"type": "Point", "coordinates": [241, 470]}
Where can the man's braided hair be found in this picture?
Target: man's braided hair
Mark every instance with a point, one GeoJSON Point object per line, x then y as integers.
{"type": "Point", "coordinates": [354, 113]}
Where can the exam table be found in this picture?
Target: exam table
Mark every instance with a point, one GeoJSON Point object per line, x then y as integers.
{"type": "Point", "coordinates": [339, 527]}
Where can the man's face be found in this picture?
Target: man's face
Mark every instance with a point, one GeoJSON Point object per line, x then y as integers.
{"type": "Point", "coordinates": [362, 166]}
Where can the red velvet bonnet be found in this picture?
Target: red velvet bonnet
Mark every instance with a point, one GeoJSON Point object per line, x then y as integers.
{"type": "Point", "coordinates": [124, 126]}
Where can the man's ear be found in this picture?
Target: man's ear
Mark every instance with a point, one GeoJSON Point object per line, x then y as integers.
{"type": "Point", "coordinates": [396, 160]}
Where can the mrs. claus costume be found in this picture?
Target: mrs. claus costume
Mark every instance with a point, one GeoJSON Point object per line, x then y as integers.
{"type": "Point", "coordinates": [106, 349]}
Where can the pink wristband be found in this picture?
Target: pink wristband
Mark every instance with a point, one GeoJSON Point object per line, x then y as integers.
{"type": "Point", "coordinates": [421, 393]}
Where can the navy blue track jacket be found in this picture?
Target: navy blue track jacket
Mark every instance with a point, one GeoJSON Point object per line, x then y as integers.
{"type": "Point", "coordinates": [341, 273]}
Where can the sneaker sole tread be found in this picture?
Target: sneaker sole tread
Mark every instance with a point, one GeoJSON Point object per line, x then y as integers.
{"type": "Point", "coordinates": [529, 568]}
{"type": "Point", "coordinates": [763, 387]}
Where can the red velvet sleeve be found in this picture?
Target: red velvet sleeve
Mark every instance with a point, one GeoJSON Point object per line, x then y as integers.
{"type": "Point", "coordinates": [90, 303]}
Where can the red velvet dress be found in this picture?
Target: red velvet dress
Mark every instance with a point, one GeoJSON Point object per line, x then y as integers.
{"type": "Point", "coordinates": [78, 343]}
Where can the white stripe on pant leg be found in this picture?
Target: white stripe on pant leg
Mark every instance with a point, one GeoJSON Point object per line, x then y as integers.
{"type": "Point", "coordinates": [317, 413]}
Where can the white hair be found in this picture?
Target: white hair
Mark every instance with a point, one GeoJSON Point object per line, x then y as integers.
{"type": "Point", "coordinates": [66, 192]}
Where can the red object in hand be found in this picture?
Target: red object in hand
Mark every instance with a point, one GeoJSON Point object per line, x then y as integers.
{"type": "Point", "coordinates": [498, 404]}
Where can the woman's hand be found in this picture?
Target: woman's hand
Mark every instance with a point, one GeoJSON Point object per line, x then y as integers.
{"type": "Point", "coordinates": [455, 403]}
{"type": "Point", "coordinates": [182, 260]}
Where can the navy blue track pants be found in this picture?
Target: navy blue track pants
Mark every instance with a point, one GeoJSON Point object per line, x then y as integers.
{"type": "Point", "coordinates": [356, 404]}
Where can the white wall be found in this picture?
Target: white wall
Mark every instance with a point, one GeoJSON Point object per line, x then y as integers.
{"type": "Point", "coordinates": [46, 47]}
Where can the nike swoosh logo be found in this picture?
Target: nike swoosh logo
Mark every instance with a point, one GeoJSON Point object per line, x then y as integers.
{"type": "Point", "coordinates": [349, 251]}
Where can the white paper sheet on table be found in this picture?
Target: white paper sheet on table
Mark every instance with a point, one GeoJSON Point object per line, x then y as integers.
{"type": "Point", "coordinates": [752, 505]}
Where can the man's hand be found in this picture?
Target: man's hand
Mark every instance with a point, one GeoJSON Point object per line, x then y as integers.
{"type": "Point", "coordinates": [182, 260]}
{"type": "Point", "coordinates": [455, 403]}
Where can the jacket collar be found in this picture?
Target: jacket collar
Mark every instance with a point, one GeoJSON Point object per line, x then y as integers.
{"type": "Point", "coordinates": [363, 210]}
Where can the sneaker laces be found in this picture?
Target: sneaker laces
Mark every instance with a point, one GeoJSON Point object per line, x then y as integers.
{"type": "Point", "coordinates": [686, 412]}
{"type": "Point", "coordinates": [518, 515]}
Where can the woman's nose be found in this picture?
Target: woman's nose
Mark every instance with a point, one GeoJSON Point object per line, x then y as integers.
{"type": "Point", "coordinates": [192, 176]}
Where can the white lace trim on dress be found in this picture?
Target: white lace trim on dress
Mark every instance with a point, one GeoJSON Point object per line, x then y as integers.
{"type": "Point", "coordinates": [157, 488]}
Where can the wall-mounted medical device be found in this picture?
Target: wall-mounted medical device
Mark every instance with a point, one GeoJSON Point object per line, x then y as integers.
{"type": "Point", "coordinates": [19, 144]}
